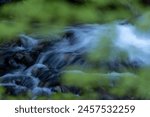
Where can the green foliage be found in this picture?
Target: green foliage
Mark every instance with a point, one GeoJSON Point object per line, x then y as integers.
{"type": "Point", "coordinates": [142, 23]}
{"type": "Point", "coordinates": [85, 80]}
{"type": "Point", "coordinates": [28, 16]}
{"type": "Point", "coordinates": [1, 92]}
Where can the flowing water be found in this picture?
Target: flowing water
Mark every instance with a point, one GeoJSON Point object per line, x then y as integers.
{"type": "Point", "coordinates": [36, 67]}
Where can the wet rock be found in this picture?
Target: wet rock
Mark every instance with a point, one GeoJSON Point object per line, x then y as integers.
{"type": "Point", "coordinates": [35, 69]}
{"type": "Point", "coordinates": [22, 80]}
{"type": "Point", "coordinates": [38, 91]}
{"type": "Point", "coordinates": [24, 58]}
{"type": "Point", "coordinates": [28, 42]}
{"type": "Point", "coordinates": [48, 77]}
{"type": "Point", "coordinates": [13, 89]}
{"type": "Point", "coordinates": [66, 89]}
{"type": "Point", "coordinates": [4, 1]}
{"type": "Point", "coordinates": [17, 90]}
{"type": "Point", "coordinates": [70, 37]}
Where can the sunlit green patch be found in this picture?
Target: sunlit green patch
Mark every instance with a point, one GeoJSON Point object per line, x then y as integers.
{"type": "Point", "coordinates": [126, 86]}
{"type": "Point", "coordinates": [64, 96]}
